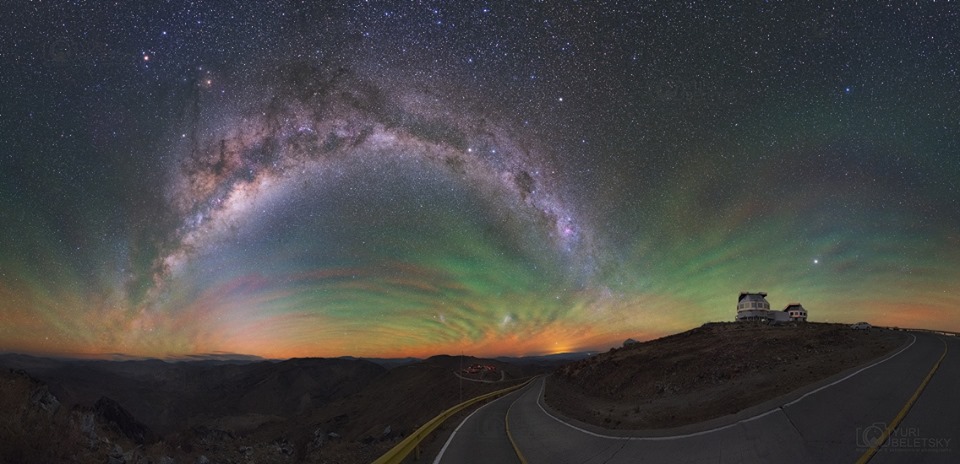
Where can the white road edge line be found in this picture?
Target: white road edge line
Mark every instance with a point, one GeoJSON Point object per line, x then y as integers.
{"type": "Point", "coordinates": [543, 384]}
{"type": "Point", "coordinates": [464, 421]}
{"type": "Point", "coordinates": [854, 373]}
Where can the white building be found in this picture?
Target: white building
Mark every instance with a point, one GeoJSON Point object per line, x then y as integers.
{"type": "Point", "coordinates": [755, 307]}
{"type": "Point", "coordinates": [795, 312]}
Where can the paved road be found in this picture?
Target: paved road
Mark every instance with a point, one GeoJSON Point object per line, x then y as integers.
{"type": "Point", "coordinates": [931, 430]}
{"type": "Point", "coordinates": [832, 424]}
{"type": "Point", "coordinates": [482, 436]}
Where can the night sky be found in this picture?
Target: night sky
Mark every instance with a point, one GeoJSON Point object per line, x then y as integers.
{"type": "Point", "coordinates": [413, 178]}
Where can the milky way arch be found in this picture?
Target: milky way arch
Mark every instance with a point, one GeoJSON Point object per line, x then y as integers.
{"type": "Point", "coordinates": [317, 120]}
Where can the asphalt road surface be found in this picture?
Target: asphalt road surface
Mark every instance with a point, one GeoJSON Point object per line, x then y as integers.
{"type": "Point", "coordinates": [835, 422]}
{"type": "Point", "coordinates": [482, 436]}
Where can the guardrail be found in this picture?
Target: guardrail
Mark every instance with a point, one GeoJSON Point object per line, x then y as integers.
{"type": "Point", "coordinates": [398, 453]}
{"type": "Point", "coordinates": [938, 332]}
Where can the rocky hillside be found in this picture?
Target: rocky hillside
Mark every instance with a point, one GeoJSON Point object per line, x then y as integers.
{"type": "Point", "coordinates": [708, 372]}
{"type": "Point", "coordinates": [35, 427]}
{"type": "Point", "coordinates": [165, 396]}
{"type": "Point", "coordinates": [300, 410]}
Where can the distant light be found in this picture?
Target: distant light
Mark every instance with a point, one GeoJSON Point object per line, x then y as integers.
{"type": "Point", "coordinates": [146, 57]}
{"type": "Point", "coordinates": [816, 261]}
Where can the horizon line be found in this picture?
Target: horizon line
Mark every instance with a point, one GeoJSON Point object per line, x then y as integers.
{"type": "Point", "coordinates": [237, 357]}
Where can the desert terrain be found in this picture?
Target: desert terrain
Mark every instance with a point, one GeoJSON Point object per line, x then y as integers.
{"type": "Point", "coordinates": [298, 410]}
{"type": "Point", "coordinates": [348, 410]}
{"type": "Point", "coordinates": [708, 372]}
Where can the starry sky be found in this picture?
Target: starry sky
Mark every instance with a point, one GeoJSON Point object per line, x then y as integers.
{"type": "Point", "coordinates": [409, 178]}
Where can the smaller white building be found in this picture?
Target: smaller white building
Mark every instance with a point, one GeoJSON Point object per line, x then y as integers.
{"type": "Point", "coordinates": [795, 312]}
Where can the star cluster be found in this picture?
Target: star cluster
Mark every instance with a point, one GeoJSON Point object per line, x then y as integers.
{"type": "Point", "coordinates": [393, 178]}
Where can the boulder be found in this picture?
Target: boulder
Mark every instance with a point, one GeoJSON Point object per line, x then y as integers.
{"type": "Point", "coordinates": [116, 456]}
{"type": "Point", "coordinates": [283, 447]}
{"type": "Point", "coordinates": [318, 438]}
{"type": "Point", "coordinates": [43, 399]}
{"type": "Point", "coordinates": [88, 427]}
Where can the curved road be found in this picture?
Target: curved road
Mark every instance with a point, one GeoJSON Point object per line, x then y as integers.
{"type": "Point", "coordinates": [834, 423]}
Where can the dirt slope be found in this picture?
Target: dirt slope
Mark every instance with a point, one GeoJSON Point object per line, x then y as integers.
{"type": "Point", "coordinates": [708, 372]}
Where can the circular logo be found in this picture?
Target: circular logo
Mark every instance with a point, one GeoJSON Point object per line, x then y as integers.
{"type": "Point", "coordinates": [871, 435]}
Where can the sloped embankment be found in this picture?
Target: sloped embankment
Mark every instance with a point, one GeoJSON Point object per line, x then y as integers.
{"type": "Point", "coordinates": [708, 372]}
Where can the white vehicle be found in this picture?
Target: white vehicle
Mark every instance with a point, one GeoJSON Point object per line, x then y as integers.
{"type": "Point", "coordinates": [860, 326]}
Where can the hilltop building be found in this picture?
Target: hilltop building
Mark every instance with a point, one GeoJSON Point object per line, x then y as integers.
{"type": "Point", "coordinates": [795, 312]}
{"type": "Point", "coordinates": [755, 307]}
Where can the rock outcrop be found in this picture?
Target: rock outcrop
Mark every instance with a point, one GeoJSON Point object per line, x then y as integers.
{"type": "Point", "coordinates": [121, 421]}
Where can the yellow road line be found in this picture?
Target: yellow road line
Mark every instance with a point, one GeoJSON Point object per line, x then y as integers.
{"type": "Point", "coordinates": [903, 411]}
{"type": "Point", "coordinates": [412, 442]}
{"type": "Point", "coordinates": [506, 421]}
